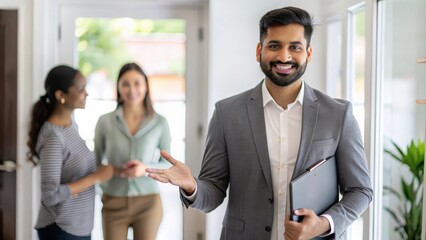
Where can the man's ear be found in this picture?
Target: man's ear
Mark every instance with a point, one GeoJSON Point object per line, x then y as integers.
{"type": "Point", "coordinates": [309, 52]}
{"type": "Point", "coordinates": [258, 51]}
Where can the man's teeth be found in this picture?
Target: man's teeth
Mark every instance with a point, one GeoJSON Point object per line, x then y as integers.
{"type": "Point", "coordinates": [284, 66]}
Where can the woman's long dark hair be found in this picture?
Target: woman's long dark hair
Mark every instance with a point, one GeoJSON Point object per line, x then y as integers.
{"type": "Point", "coordinates": [59, 78]}
{"type": "Point", "coordinates": [147, 103]}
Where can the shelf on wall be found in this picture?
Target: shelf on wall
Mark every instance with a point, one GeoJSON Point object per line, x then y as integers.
{"type": "Point", "coordinates": [421, 60]}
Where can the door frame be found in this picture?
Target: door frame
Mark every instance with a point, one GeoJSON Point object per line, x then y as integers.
{"type": "Point", "coordinates": [48, 25]}
{"type": "Point", "coordinates": [24, 181]}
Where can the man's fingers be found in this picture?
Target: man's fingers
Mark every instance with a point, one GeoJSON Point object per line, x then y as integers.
{"type": "Point", "coordinates": [287, 219]}
{"type": "Point", "coordinates": [287, 236]}
{"type": "Point", "coordinates": [158, 177]}
{"type": "Point", "coordinates": [303, 212]}
{"type": "Point", "coordinates": [154, 170]}
{"type": "Point", "coordinates": [168, 157]}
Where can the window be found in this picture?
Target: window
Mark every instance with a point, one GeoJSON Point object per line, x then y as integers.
{"type": "Point", "coordinates": [346, 57]}
{"type": "Point", "coordinates": [356, 63]}
{"type": "Point", "coordinates": [356, 81]}
{"type": "Point", "coordinates": [334, 58]}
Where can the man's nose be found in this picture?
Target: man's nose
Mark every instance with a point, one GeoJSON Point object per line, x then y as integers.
{"type": "Point", "coordinates": [284, 55]}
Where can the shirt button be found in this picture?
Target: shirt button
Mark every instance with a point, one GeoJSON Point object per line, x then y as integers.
{"type": "Point", "coordinates": [268, 228]}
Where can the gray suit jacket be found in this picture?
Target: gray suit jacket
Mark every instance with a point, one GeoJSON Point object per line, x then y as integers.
{"type": "Point", "coordinates": [236, 155]}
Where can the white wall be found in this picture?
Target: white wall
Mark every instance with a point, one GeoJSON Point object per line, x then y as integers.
{"type": "Point", "coordinates": [234, 34]}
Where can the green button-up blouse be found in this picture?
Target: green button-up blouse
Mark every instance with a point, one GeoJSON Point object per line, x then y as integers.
{"type": "Point", "coordinates": [115, 145]}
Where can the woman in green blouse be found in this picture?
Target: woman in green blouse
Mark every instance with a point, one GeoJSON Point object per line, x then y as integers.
{"type": "Point", "coordinates": [130, 139]}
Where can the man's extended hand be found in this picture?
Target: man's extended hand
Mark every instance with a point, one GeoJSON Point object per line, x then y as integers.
{"type": "Point", "coordinates": [311, 226]}
{"type": "Point", "coordinates": [179, 174]}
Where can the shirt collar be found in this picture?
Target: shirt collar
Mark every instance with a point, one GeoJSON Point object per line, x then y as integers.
{"type": "Point", "coordinates": [147, 123]}
{"type": "Point", "coordinates": [119, 111]}
{"type": "Point", "coordinates": [268, 98]}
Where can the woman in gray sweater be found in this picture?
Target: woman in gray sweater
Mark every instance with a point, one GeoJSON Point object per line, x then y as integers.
{"type": "Point", "coordinates": [68, 167]}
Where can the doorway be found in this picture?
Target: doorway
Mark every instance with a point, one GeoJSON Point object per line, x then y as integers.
{"type": "Point", "coordinates": [158, 46]}
{"type": "Point", "coordinates": [176, 93]}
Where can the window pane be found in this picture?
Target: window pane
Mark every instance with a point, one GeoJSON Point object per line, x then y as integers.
{"type": "Point", "coordinates": [334, 58]}
{"type": "Point", "coordinates": [356, 85]}
{"type": "Point", "coordinates": [357, 68]}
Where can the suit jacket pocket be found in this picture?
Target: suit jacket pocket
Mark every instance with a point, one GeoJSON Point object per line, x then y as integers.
{"type": "Point", "coordinates": [320, 149]}
{"type": "Point", "coordinates": [322, 143]}
{"type": "Point", "coordinates": [233, 223]}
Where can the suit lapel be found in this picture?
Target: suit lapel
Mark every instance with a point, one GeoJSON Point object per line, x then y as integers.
{"type": "Point", "coordinates": [257, 125]}
{"type": "Point", "coordinates": [309, 122]}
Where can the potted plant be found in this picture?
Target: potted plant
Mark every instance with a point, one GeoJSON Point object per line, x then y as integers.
{"type": "Point", "coordinates": [408, 214]}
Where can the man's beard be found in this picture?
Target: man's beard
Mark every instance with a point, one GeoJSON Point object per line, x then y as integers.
{"type": "Point", "coordinates": [283, 80]}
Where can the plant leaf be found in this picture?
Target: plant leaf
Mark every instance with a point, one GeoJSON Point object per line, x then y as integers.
{"type": "Point", "coordinates": [408, 191]}
{"type": "Point", "coordinates": [408, 214]}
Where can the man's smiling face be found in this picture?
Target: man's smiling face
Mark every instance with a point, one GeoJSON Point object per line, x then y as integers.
{"type": "Point", "coordinates": [283, 54]}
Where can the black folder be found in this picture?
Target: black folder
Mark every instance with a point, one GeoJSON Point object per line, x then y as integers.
{"type": "Point", "coordinates": [316, 189]}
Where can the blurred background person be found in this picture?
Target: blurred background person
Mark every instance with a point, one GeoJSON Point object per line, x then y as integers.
{"type": "Point", "coordinates": [130, 138]}
{"type": "Point", "coordinates": [68, 167]}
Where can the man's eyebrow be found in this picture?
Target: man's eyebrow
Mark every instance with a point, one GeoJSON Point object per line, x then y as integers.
{"type": "Point", "coordinates": [279, 42]}
{"type": "Point", "coordinates": [274, 41]}
{"type": "Point", "coordinates": [296, 43]}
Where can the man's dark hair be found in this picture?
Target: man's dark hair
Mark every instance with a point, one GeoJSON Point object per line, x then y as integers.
{"type": "Point", "coordinates": [285, 16]}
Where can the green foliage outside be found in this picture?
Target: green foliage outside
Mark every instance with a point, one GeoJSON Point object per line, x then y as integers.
{"type": "Point", "coordinates": [408, 214]}
{"type": "Point", "coordinates": [100, 44]}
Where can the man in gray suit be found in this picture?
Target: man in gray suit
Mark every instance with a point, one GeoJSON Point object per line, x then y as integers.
{"type": "Point", "coordinates": [259, 140]}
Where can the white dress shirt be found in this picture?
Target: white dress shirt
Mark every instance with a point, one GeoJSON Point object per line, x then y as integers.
{"type": "Point", "coordinates": [283, 131]}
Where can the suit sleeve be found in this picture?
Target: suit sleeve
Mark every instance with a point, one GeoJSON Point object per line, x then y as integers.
{"type": "Point", "coordinates": [214, 175]}
{"type": "Point", "coordinates": [354, 178]}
